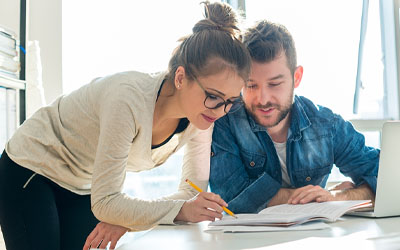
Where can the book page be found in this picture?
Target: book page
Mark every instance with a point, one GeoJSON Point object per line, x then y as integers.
{"type": "Point", "coordinates": [287, 214]}
{"type": "Point", "coordinates": [316, 225]}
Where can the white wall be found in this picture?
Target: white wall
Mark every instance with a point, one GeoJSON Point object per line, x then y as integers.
{"type": "Point", "coordinates": [44, 24]}
{"type": "Point", "coordinates": [9, 14]}
{"type": "Point", "coordinates": [397, 25]}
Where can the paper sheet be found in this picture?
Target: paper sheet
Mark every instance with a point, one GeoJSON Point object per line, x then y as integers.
{"type": "Point", "coordinates": [316, 225]}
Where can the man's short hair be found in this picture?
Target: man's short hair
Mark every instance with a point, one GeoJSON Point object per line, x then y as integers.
{"type": "Point", "coordinates": [267, 40]}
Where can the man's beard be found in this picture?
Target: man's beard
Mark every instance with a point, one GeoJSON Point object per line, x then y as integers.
{"type": "Point", "coordinates": [283, 111]}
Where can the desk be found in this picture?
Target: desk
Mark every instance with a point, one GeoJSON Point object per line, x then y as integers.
{"type": "Point", "coordinates": [193, 237]}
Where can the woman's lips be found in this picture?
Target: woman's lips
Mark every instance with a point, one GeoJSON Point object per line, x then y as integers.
{"type": "Point", "coordinates": [208, 118]}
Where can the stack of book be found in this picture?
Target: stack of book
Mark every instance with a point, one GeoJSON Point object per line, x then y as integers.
{"type": "Point", "coordinates": [9, 62]}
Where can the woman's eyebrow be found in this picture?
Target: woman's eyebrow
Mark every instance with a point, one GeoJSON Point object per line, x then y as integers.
{"type": "Point", "coordinates": [219, 92]}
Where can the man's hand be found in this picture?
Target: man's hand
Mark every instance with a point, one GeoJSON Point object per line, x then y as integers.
{"type": "Point", "coordinates": [204, 207]}
{"type": "Point", "coordinates": [344, 191]}
{"type": "Point", "coordinates": [310, 193]}
{"type": "Point", "coordinates": [102, 234]}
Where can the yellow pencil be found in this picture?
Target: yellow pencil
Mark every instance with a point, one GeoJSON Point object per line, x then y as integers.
{"type": "Point", "coordinates": [199, 189]}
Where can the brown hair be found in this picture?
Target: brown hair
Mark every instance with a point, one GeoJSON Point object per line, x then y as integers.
{"type": "Point", "coordinates": [266, 40]}
{"type": "Point", "coordinates": [213, 46]}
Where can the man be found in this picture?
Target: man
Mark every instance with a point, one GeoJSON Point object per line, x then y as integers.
{"type": "Point", "coordinates": [280, 148]}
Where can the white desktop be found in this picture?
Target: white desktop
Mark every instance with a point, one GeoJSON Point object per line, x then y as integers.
{"type": "Point", "coordinates": [347, 233]}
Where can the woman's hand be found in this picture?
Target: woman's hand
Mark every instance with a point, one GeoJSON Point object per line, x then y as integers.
{"type": "Point", "coordinates": [102, 234]}
{"type": "Point", "coordinates": [204, 207]}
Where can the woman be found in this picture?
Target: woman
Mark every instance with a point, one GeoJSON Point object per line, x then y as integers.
{"type": "Point", "coordinates": [63, 170]}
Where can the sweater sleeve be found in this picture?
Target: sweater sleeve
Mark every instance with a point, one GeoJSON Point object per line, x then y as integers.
{"type": "Point", "coordinates": [109, 204]}
{"type": "Point", "coordinates": [196, 165]}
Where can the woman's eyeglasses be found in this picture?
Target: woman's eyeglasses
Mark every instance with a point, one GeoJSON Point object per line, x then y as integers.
{"type": "Point", "coordinates": [213, 101]}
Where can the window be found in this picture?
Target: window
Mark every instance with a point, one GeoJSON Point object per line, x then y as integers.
{"type": "Point", "coordinates": [103, 37]}
{"type": "Point", "coordinates": [327, 36]}
{"type": "Point", "coordinates": [326, 42]}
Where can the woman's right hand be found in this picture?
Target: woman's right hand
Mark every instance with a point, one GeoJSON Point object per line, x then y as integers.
{"type": "Point", "coordinates": [204, 207]}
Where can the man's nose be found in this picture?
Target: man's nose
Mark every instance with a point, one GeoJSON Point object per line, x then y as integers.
{"type": "Point", "coordinates": [263, 95]}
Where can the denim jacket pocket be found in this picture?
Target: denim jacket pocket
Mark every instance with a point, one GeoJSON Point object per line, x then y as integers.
{"type": "Point", "coordinates": [254, 164]}
{"type": "Point", "coordinates": [312, 176]}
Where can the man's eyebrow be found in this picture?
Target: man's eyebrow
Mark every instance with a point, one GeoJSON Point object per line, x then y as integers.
{"type": "Point", "coordinates": [270, 79]}
{"type": "Point", "coordinates": [276, 77]}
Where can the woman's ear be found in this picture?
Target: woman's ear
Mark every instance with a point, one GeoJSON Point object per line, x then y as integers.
{"type": "Point", "coordinates": [298, 74]}
{"type": "Point", "coordinates": [179, 76]}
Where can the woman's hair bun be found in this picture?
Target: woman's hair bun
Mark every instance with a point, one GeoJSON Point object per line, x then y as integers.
{"type": "Point", "coordinates": [218, 16]}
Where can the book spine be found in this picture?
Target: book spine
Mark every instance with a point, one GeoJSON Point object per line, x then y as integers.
{"type": "Point", "coordinates": [7, 41]}
{"type": "Point", "coordinates": [12, 52]}
{"type": "Point", "coordinates": [9, 64]}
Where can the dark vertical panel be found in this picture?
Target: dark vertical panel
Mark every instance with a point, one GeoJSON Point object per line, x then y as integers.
{"type": "Point", "coordinates": [22, 35]}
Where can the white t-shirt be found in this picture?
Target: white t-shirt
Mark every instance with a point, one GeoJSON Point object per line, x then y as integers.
{"type": "Point", "coordinates": [281, 150]}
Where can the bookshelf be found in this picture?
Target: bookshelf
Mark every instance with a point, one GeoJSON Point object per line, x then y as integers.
{"type": "Point", "coordinates": [12, 89]}
{"type": "Point", "coordinates": [18, 86]}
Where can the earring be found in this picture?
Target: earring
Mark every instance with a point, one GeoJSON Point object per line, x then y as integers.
{"type": "Point", "coordinates": [179, 86]}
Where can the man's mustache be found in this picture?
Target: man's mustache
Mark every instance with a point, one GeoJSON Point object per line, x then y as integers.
{"type": "Point", "coordinates": [267, 105]}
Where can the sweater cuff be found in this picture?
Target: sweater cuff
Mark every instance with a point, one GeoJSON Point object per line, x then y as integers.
{"type": "Point", "coordinates": [170, 217]}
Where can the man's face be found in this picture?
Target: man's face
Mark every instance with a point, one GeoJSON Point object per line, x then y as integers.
{"type": "Point", "coordinates": [268, 96]}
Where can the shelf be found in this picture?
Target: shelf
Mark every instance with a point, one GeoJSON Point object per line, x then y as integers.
{"type": "Point", "coordinates": [11, 83]}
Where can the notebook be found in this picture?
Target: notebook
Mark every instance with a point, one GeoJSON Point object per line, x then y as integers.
{"type": "Point", "coordinates": [387, 202]}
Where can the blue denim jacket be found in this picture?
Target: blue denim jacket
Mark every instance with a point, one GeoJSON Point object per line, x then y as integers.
{"type": "Point", "coordinates": [245, 168]}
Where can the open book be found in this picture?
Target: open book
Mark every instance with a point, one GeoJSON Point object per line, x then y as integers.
{"type": "Point", "coordinates": [287, 214]}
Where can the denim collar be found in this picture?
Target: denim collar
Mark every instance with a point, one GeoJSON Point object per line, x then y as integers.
{"type": "Point", "coordinates": [299, 120]}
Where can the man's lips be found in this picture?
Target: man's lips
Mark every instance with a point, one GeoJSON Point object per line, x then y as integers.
{"type": "Point", "coordinates": [208, 118]}
{"type": "Point", "coordinates": [266, 111]}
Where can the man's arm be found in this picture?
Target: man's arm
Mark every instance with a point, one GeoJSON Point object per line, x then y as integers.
{"type": "Point", "coordinates": [353, 158]}
{"type": "Point", "coordinates": [312, 193]}
{"type": "Point", "coordinates": [281, 197]}
{"type": "Point", "coordinates": [362, 192]}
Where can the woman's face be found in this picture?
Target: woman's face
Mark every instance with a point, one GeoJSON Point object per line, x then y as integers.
{"type": "Point", "coordinates": [223, 86]}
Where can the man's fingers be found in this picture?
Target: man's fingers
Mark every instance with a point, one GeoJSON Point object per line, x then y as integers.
{"type": "Point", "coordinates": [308, 194]}
{"type": "Point", "coordinates": [300, 195]}
{"type": "Point", "coordinates": [297, 192]}
{"type": "Point", "coordinates": [312, 196]}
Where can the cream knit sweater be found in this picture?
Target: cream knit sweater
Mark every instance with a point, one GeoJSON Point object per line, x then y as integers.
{"type": "Point", "coordinates": [87, 140]}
